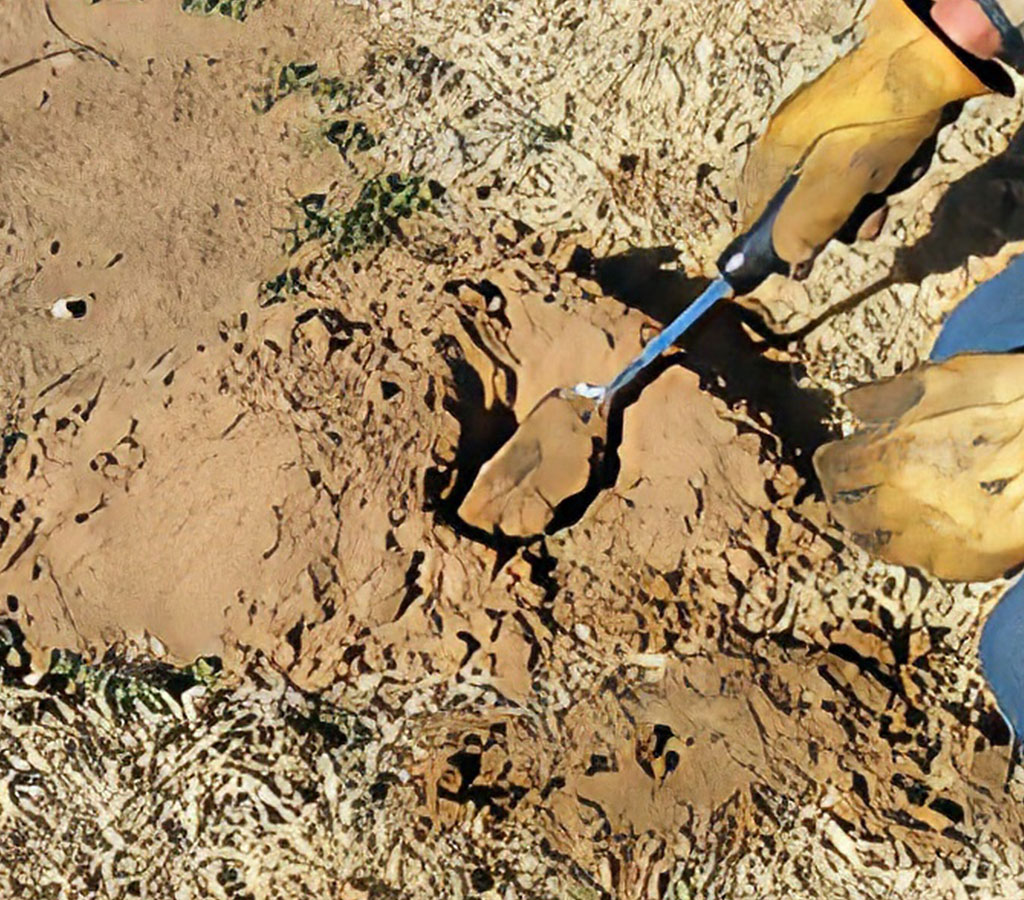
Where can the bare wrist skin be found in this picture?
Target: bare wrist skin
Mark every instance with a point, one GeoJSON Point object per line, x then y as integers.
{"type": "Point", "coordinates": [966, 24]}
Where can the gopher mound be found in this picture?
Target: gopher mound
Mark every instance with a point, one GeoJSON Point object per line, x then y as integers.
{"type": "Point", "coordinates": [278, 278]}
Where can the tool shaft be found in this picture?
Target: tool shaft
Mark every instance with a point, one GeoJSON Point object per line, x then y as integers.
{"type": "Point", "coordinates": [719, 289]}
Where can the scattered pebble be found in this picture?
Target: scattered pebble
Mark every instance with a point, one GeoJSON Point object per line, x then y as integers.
{"type": "Point", "coordinates": [73, 307]}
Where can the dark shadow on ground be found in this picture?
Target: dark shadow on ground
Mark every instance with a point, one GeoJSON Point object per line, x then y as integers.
{"type": "Point", "coordinates": [482, 432]}
{"type": "Point", "coordinates": [978, 216]}
{"type": "Point", "coordinates": [730, 363]}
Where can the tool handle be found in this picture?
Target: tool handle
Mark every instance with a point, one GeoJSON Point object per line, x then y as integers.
{"type": "Point", "coordinates": [751, 257]}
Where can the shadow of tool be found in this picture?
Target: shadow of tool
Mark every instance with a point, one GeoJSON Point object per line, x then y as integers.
{"type": "Point", "coordinates": [719, 349]}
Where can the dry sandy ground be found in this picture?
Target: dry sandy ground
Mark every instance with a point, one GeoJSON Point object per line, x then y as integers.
{"type": "Point", "coordinates": [314, 300]}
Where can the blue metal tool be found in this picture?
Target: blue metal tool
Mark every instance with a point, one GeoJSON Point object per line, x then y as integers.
{"type": "Point", "coordinates": [719, 289]}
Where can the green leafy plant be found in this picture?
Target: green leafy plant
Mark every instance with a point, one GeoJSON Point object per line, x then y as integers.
{"type": "Point", "coordinates": [281, 287]}
{"type": "Point", "coordinates": [9, 439]}
{"type": "Point", "coordinates": [541, 134]}
{"type": "Point", "coordinates": [373, 219]}
{"type": "Point", "coordinates": [125, 689]}
{"type": "Point", "coordinates": [348, 136]}
{"type": "Point", "coordinates": [233, 9]}
{"type": "Point", "coordinates": [331, 94]}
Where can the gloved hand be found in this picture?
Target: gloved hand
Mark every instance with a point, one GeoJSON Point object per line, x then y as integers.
{"type": "Point", "coordinates": [863, 130]}
{"type": "Point", "coordinates": [936, 480]}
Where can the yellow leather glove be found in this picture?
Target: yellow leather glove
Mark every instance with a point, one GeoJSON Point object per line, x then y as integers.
{"type": "Point", "coordinates": [936, 480]}
{"type": "Point", "coordinates": [847, 138]}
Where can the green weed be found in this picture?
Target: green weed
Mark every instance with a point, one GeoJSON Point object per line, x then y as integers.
{"type": "Point", "coordinates": [331, 94]}
{"type": "Point", "coordinates": [374, 218]}
{"type": "Point", "coordinates": [233, 9]}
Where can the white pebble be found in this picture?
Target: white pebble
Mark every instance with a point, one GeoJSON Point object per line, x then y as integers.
{"type": "Point", "coordinates": [69, 307]}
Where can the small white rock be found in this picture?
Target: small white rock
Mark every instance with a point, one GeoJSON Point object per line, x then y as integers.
{"type": "Point", "coordinates": [647, 660]}
{"type": "Point", "coordinates": [156, 646]}
{"type": "Point", "coordinates": [71, 307]}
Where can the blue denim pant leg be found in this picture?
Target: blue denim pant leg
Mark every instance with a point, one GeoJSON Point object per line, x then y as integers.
{"type": "Point", "coordinates": [989, 320]}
